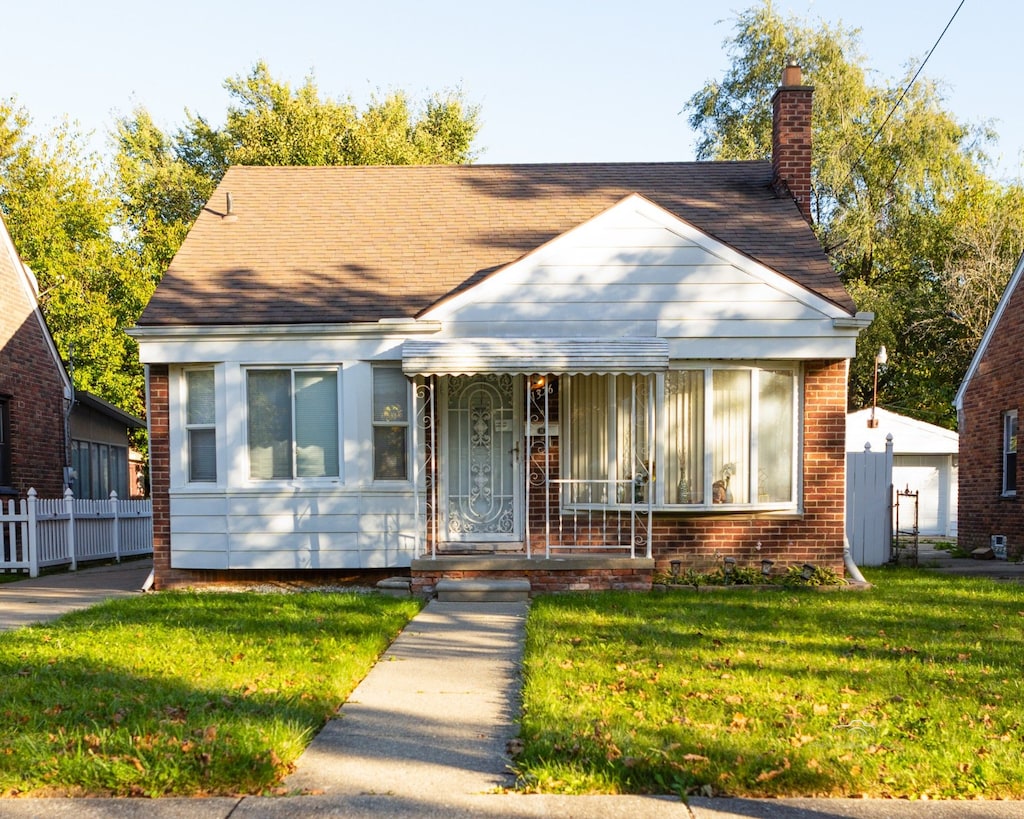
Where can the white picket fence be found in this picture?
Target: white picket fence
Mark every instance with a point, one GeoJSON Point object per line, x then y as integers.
{"type": "Point", "coordinates": [39, 532]}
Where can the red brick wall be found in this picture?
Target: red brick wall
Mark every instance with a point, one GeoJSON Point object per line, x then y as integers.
{"type": "Point", "coordinates": [791, 143]}
{"type": "Point", "coordinates": [32, 378]}
{"type": "Point", "coordinates": [159, 474]}
{"type": "Point", "coordinates": [997, 386]}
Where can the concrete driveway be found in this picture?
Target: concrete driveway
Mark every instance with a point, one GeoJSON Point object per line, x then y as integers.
{"type": "Point", "coordinates": [45, 598]}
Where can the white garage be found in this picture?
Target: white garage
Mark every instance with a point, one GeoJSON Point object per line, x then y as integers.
{"type": "Point", "coordinates": [925, 459]}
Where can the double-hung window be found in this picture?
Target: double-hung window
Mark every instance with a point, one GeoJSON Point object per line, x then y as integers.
{"type": "Point", "coordinates": [200, 427]}
{"type": "Point", "coordinates": [292, 417]}
{"type": "Point", "coordinates": [1010, 452]}
{"type": "Point", "coordinates": [717, 437]}
{"type": "Point", "coordinates": [390, 424]}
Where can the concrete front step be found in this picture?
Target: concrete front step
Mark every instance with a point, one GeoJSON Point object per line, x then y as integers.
{"type": "Point", "coordinates": [483, 590]}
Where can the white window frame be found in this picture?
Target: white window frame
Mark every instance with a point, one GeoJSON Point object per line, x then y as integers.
{"type": "Point", "coordinates": [190, 427]}
{"type": "Point", "coordinates": [292, 371]}
{"type": "Point", "coordinates": [1011, 431]}
{"type": "Point", "coordinates": [662, 444]}
{"type": "Point", "coordinates": [383, 424]}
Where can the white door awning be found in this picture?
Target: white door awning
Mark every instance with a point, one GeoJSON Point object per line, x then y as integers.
{"type": "Point", "coordinates": [529, 356]}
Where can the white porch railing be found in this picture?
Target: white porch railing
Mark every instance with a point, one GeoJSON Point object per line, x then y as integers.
{"type": "Point", "coordinates": [39, 532]}
{"type": "Point", "coordinates": [588, 522]}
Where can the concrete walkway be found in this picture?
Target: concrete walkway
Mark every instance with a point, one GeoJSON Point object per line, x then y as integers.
{"type": "Point", "coordinates": [45, 598]}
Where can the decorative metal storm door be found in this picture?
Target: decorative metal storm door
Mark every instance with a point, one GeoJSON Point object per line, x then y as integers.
{"type": "Point", "coordinates": [482, 483]}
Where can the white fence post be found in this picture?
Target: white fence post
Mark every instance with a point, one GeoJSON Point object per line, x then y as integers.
{"type": "Point", "coordinates": [117, 526]}
{"type": "Point", "coordinates": [69, 509]}
{"type": "Point", "coordinates": [32, 541]}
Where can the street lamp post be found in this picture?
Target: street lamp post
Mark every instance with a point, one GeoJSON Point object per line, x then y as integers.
{"type": "Point", "coordinates": [881, 358]}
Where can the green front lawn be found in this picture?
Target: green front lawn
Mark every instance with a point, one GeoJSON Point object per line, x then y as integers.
{"type": "Point", "coordinates": [182, 693]}
{"type": "Point", "coordinates": [911, 689]}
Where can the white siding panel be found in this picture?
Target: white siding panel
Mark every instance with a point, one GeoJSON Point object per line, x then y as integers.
{"type": "Point", "coordinates": [182, 542]}
{"type": "Point", "coordinates": [385, 558]}
{"type": "Point", "coordinates": [299, 542]}
{"type": "Point", "coordinates": [294, 560]}
{"type": "Point", "coordinates": [283, 524]}
{"type": "Point", "coordinates": [288, 503]}
{"type": "Point", "coordinates": [199, 560]}
{"type": "Point", "coordinates": [206, 505]}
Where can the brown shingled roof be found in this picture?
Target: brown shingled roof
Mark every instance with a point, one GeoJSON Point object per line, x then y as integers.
{"type": "Point", "coordinates": [356, 244]}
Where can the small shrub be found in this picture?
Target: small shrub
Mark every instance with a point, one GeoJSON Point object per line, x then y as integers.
{"type": "Point", "coordinates": [821, 576]}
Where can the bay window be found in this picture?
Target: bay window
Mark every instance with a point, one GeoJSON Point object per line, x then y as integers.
{"type": "Point", "coordinates": [717, 437]}
{"type": "Point", "coordinates": [292, 423]}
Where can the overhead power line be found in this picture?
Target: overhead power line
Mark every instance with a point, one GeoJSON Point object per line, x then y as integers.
{"type": "Point", "coordinates": [906, 90]}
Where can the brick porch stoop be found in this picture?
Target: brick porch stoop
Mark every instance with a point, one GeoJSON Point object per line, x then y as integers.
{"type": "Point", "coordinates": [555, 574]}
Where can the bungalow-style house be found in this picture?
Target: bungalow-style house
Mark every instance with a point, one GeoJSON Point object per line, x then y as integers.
{"type": "Point", "coordinates": [988, 404]}
{"type": "Point", "coordinates": [925, 461]}
{"type": "Point", "coordinates": [101, 453]}
{"type": "Point", "coordinates": [35, 391]}
{"type": "Point", "coordinates": [576, 373]}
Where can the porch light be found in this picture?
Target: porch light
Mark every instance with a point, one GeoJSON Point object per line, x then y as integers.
{"type": "Point", "coordinates": [807, 572]}
{"type": "Point", "coordinates": [730, 565]}
{"type": "Point", "coordinates": [880, 359]}
{"type": "Point", "coordinates": [766, 566]}
{"type": "Point", "coordinates": [537, 382]}
{"type": "Point", "coordinates": [675, 567]}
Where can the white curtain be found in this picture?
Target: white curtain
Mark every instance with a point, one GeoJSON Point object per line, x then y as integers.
{"type": "Point", "coordinates": [730, 436]}
{"type": "Point", "coordinates": [316, 424]}
{"type": "Point", "coordinates": [775, 424]}
{"type": "Point", "coordinates": [589, 458]}
{"type": "Point", "coordinates": [684, 471]}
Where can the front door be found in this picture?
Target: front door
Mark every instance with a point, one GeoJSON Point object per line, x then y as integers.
{"type": "Point", "coordinates": [482, 492]}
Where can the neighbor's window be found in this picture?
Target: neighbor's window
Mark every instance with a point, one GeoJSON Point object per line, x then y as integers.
{"type": "Point", "coordinates": [390, 424]}
{"type": "Point", "coordinates": [292, 423]}
{"type": "Point", "coordinates": [723, 436]}
{"type": "Point", "coordinates": [100, 469]}
{"type": "Point", "coordinates": [200, 429]}
{"type": "Point", "coordinates": [1010, 452]}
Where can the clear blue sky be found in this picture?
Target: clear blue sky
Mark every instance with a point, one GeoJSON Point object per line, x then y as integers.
{"type": "Point", "coordinates": [557, 81]}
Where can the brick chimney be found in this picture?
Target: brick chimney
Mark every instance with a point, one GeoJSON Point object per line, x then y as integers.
{"type": "Point", "coordinates": [791, 139]}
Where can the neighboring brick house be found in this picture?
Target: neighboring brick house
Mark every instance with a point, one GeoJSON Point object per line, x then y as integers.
{"type": "Point", "coordinates": [35, 391]}
{"type": "Point", "coordinates": [573, 372]}
{"type": "Point", "coordinates": [989, 404]}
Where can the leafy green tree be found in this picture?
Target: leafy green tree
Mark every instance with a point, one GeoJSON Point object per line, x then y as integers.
{"type": "Point", "coordinates": [165, 180]}
{"type": "Point", "coordinates": [58, 207]}
{"type": "Point", "coordinates": [895, 178]}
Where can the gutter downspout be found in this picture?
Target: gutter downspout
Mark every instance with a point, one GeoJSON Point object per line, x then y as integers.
{"type": "Point", "coordinates": [851, 567]}
{"type": "Point", "coordinates": [147, 584]}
